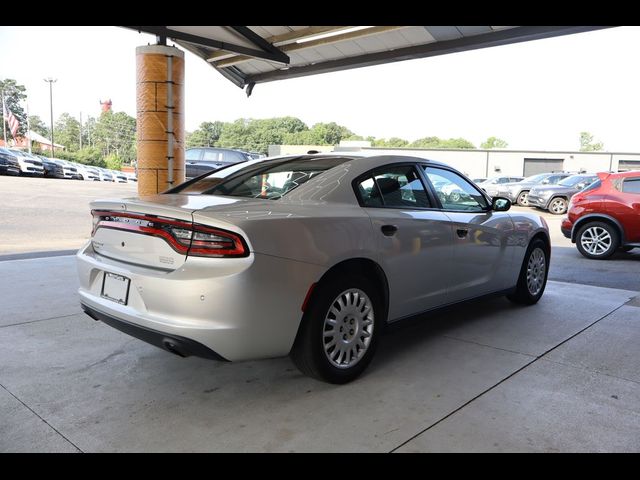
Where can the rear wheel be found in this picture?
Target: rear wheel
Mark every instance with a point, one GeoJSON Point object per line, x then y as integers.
{"type": "Point", "coordinates": [533, 274]}
{"type": "Point", "coordinates": [523, 199]}
{"type": "Point", "coordinates": [340, 329]}
{"type": "Point", "coordinates": [558, 206]}
{"type": "Point", "coordinates": [597, 240]}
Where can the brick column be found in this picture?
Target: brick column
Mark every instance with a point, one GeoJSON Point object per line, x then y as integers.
{"type": "Point", "coordinates": [152, 115]}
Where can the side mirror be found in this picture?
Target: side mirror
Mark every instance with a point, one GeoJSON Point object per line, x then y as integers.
{"type": "Point", "coordinates": [500, 204]}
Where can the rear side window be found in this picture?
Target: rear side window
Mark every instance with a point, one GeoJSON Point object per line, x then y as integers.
{"type": "Point", "coordinates": [631, 185]}
{"type": "Point", "coordinates": [192, 154]}
{"type": "Point", "coordinates": [395, 187]}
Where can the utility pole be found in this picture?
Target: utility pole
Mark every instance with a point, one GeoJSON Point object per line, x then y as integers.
{"type": "Point", "coordinates": [51, 82]}
{"type": "Point", "coordinates": [80, 130]}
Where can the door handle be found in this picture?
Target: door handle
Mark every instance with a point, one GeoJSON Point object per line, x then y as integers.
{"type": "Point", "coordinates": [462, 232]}
{"type": "Point", "coordinates": [388, 230]}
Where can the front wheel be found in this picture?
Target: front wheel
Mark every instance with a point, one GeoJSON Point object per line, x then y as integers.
{"type": "Point", "coordinates": [533, 274]}
{"type": "Point", "coordinates": [558, 206]}
{"type": "Point", "coordinates": [597, 240]}
{"type": "Point", "coordinates": [523, 199]}
{"type": "Point", "coordinates": [340, 329]}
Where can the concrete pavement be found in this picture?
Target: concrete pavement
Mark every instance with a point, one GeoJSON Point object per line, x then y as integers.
{"type": "Point", "coordinates": [487, 376]}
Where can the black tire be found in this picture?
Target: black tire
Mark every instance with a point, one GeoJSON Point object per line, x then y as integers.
{"type": "Point", "coordinates": [587, 232]}
{"type": "Point", "coordinates": [523, 199]}
{"type": "Point", "coordinates": [308, 352]}
{"type": "Point", "coordinates": [558, 206]}
{"type": "Point", "coordinates": [523, 293]}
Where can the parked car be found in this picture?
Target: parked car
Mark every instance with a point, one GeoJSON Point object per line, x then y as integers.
{"type": "Point", "coordinates": [86, 172]}
{"type": "Point", "coordinates": [307, 255]}
{"type": "Point", "coordinates": [69, 170]}
{"type": "Point", "coordinates": [518, 192]}
{"type": "Point", "coordinates": [9, 164]}
{"type": "Point", "coordinates": [605, 216]}
{"type": "Point", "coordinates": [119, 177]}
{"type": "Point", "coordinates": [105, 175]}
{"type": "Point", "coordinates": [555, 198]}
{"type": "Point", "coordinates": [131, 177]}
{"type": "Point", "coordinates": [52, 169]}
{"type": "Point", "coordinates": [29, 164]}
{"type": "Point", "coordinates": [478, 180]}
{"type": "Point", "coordinates": [490, 185]}
{"type": "Point", "coordinates": [204, 159]}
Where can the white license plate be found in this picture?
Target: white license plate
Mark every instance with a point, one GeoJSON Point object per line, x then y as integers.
{"type": "Point", "coordinates": [115, 287]}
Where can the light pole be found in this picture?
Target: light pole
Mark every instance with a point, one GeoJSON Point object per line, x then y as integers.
{"type": "Point", "coordinates": [51, 81]}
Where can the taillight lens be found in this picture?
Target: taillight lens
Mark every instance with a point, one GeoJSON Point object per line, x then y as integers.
{"type": "Point", "coordinates": [185, 238]}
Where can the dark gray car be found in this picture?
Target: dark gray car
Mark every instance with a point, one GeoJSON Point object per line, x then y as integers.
{"type": "Point", "coordinates": [200, 160]}
{"type": "Point", "coordinates": [519, 192]}
{"type": "Point", "coordinates": [555, 198]}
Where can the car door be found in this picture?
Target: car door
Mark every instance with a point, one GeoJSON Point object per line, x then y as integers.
{"type": "Point", "coordinates": [482, 238]}
{"type": "Point", "coordinates": [192, 157]}
{"type": "Point", "coordinates": [414, 239]}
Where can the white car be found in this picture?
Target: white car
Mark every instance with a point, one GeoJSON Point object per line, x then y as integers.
{"type": "Point", "coordinates": [86, 172]}
{"type": "Point", "coordinates": [29, 164]}
{"type": "Point", "coordinates": [305, 255]}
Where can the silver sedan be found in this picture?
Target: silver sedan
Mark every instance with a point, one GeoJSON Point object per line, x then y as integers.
{"type": "Point", "coordinates": [308, 255]}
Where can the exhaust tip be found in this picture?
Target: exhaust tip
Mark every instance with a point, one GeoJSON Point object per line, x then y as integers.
{"type": "Point", "coordinates": [173, 347]}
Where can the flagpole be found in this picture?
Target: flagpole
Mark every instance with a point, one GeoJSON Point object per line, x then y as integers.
{"type": "Point", "coordinates": [28, 129]}
{"type": "Point", "coordinates": [4, 121]}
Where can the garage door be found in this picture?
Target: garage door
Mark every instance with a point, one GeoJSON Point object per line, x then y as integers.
{"type": "Point", "coordinates": [626, 165]}
{"type": "Point", "coordinates": [533, 166]}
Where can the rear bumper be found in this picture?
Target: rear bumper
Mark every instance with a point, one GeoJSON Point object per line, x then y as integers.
{"type": "Point", "coordinates": [536, 201]}
{"type": "Point", "coordinates": [566, 227]}
{"type": "Point", "coordinates": [181, 346]}
{"type": "Point", "coordinates": [239, 308]}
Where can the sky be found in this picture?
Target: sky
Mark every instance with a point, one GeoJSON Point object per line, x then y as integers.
{"type": "Point", "coordinates": [535, 95]}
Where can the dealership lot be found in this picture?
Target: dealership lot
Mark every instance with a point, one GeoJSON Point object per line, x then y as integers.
{"type": "Point", "coordinates": [489, 376]}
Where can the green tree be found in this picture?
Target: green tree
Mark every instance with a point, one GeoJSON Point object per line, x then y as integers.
{"type": "Point", "coordinates": [67, 132]}
{"type": "Point", "coordinates": [587, 144]}
{"type": "Point", "coordinates": [113, 161]}
{"type": "Point", "coordinates": [206, 135]}
{"type": "Point", "coordinates": [493, 142]}
{"type": "Point", "coordinates": [90, 156]}
{"type": "Point", "coordinates": [38, 126]}
{"type": "Point", "coordinates": [116, 133]}
{"type": "Point", "coordinates": [13, 94]}
{"type": "Point", "coordinates": [435, 142]}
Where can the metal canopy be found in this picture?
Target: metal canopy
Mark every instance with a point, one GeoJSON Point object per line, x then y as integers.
{"type": "Point", "coordinates": [254, 54]}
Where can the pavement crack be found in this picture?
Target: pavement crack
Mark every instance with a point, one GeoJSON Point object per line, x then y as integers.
{"type": "Point", "coordinates": [488, 346]}
{"type": "Point", "coordinates": [40, 320]}
{"type": "Point", "coordinates": [453, 412]}
{"type": "Point", "coordinates": [36, 414]}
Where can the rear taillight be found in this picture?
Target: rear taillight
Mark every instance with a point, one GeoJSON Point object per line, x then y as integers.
{"type": "Point", "coordinates": [185, 238]}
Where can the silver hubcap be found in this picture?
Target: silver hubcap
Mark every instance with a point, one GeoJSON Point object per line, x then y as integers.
{"type": "Point", "coordinates": [348, 328]}
{"type": "Point", "coordinates": [558, 206]}
{"type": "Point", "coordinates": [596, 241]}
{"type": "Point", "coordinates": [524, 198]}
{"type": "Point", "coordinates": [535, 271]}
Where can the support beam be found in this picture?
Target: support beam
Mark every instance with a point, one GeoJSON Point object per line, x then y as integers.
{"type": "Point", "coordinates": [494, 39]}
{"type": "Point", "coordinates": [209, 42]}
{"type": "Point", "coordinates": [160, 117]}
{"type": "Point", "coordinates": [256, 39]}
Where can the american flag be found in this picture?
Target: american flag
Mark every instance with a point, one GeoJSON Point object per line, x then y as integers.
{"type": "Point", "coordinates": [11, 120]}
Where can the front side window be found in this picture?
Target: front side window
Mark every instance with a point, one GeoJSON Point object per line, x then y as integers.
{"type": "Point", "coordinates": [631, 185]}
{"type": "Point", "coordinates": [454, 192]}
{"type": "Point", "coordinates": [394, 186]}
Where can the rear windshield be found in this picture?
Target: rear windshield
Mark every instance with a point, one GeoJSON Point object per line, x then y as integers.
{"type": "Point", "coordinates": [269, 179]}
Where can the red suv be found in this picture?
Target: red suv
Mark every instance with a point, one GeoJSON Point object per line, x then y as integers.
{"type": "Point", "coordinates": [605, 216]}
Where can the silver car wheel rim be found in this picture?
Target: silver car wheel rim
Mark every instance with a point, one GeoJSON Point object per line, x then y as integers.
{"type": "Point", "coordinates": [524, 199]}
{"type": "Point", "coordinates": [596, 241]}
{"type": "Point", "coordinates": [348, 328]}
{"type": "Point", "coordinates": [536, 268]}
{"type": "Point", "coordinates": [557, 206]}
